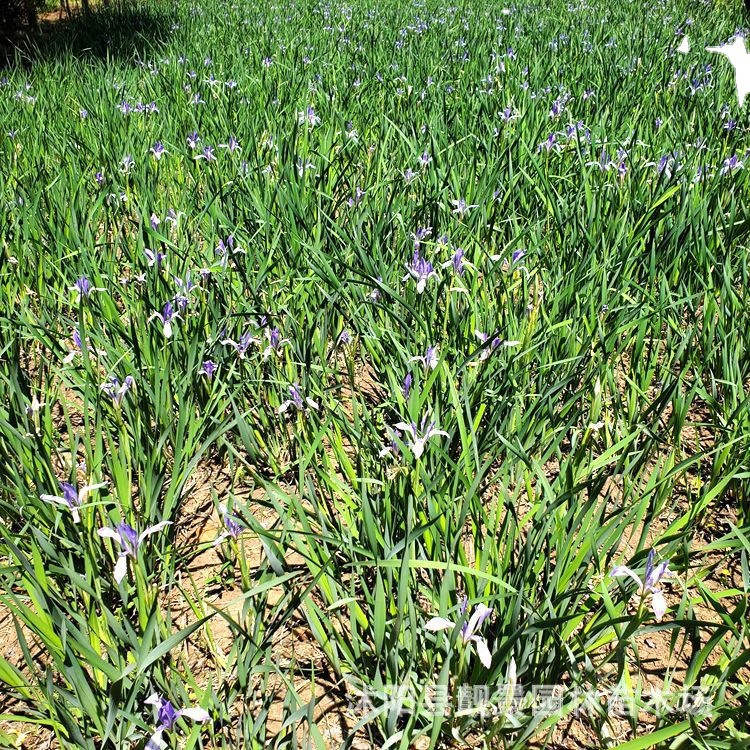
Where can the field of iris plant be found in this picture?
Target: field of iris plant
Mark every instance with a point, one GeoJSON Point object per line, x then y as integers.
{"type": "Point", "coordinates": [375, 374]}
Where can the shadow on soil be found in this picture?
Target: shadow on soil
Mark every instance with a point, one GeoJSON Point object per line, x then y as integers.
{"type": "Point", "coordinates": [117, 31]}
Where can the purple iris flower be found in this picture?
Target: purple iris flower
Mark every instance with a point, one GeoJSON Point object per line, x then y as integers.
{"type": "Point", "coordinates": [129, 540]}
{"type": "Point", "coordinates": [84, 288]}
{"type": "Point", "coordinates": [468, 629]}
{"type": "Point", "coordinates": [35, 406]}
{"type": "Point", "coordinates": [392, 447]}
{"type": "Point", "coordinates": [421, 270]}
{"type": "Point", "coordinates": [650, 583]}
{"type": "Point", "coordinates": [232, 145]}
{"type": "Point", "coordinates": [225, 247]}
{"type": "Point", "coordinates": [241, 346]}
{"type": "Point", "coordinates": [167, 716]}
{"type": "Point", "coordinates": [458, 262]}
{"type": "Point", "coordinates": [730, 165]}
{"type": "Point", "coordinates": [375, 294]}
{"type": "Point", "coordinates": [308, 116]}
{"type": "Point", "coordinates": [422, 233]}
{"type": "Point", "coordinates": [549, 144]}
{"type": "Point", "coordinates": [701, 173]}
{"type": "Point", "coordinates": [208, 368]}
{"type": "Point", "coordinates": [604, 162]}
{"type": "Point", "coordinates": [158, 150]}
{"type": "Point", "coordinates": [233, 527]}
{"type": "Point", "coordinates": [127, 163]}
{"type": "Point", "coordinates": [232, 523]}
{"type": "Point", "coordinates": [357, 199]}
{"type": "Point", "coordinates": [430, 358]}
{"type": "Point", "coordinates": [297, 400]}
{"type": "Point", "coordinates": [577, 128]}
{"type": "Point", "coordinates": [71, 497]}
{"type": "Point", "coordinates": [77, 345]}
{"type": "Point", "coordinates": [275, 343]}
{"type": "Point", "coordinates": [184, 287]}
{"type": "Point", "coordinates": [406, 390]}
{"type": "Point", "coordinates": [461, 207]}
{"type": "Point", "coordinates": [192, 140]}
{"type": "Point", "coordinates": [207, 154]}
{"type": "Point", "coordinates": [418, 437]}
{"type": "Point", "coordinates": [166, 316]}
{"type": "Point", "coordinates": [483, 339]}
{"type": "Point", "coordinates": [116, 391]}
{"type": "Point", "coordinates": [494, 344]}
{"type": "Point", "coordinates": [154, 258]}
